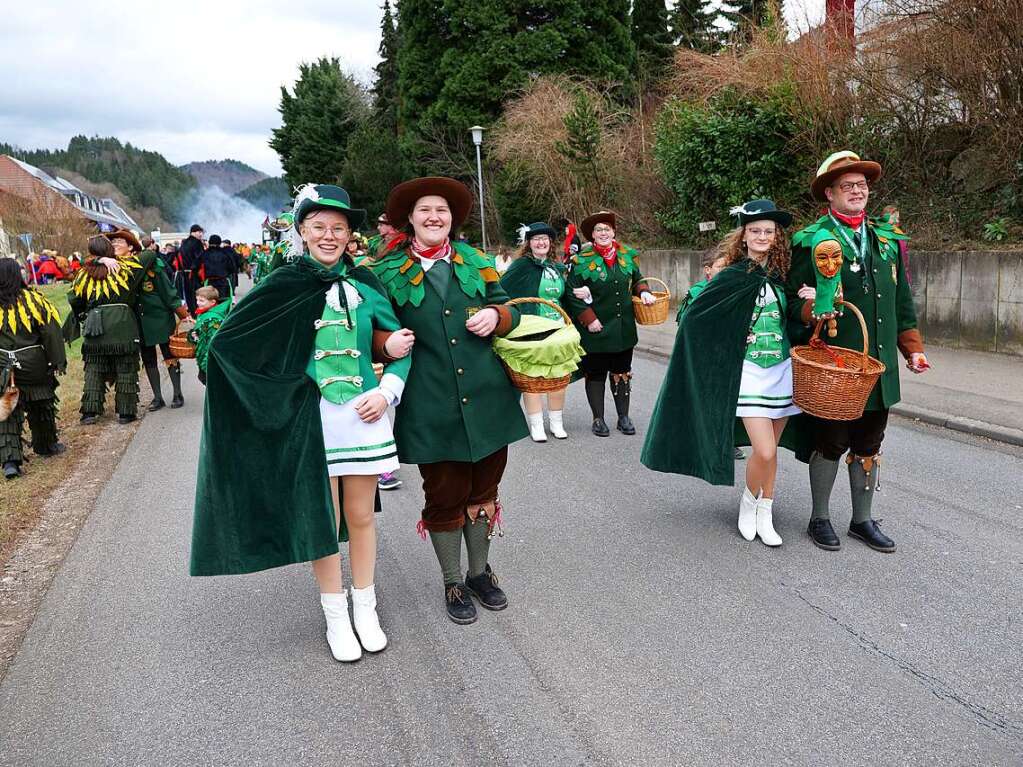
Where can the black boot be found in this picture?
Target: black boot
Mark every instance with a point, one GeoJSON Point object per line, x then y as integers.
{"type": "Point", "coordinates": [123, 419]}
{"type": "Point", "coordinates": [88, 419]}
{"type": "Point", "coordinates": [55, 449]}
{"type": "Point", "coordinates": [153, 374]}
{"type": "Point", "coordinates": [871, 534]}
{"type": "Point", "coordinates": [595, 396]}
{"type": "Point", "coordinates": [823, 535]}
{"type": "Point", "coordinates": [174, 371]}
{"type": "Point", "coordinates": [460, 607]}
{"type": "Point", "coordinates": [484, 588]}
{"type": "Point", "coordinates": [621, 391]}
{"type": "Point", "coordinates": [12, 470]}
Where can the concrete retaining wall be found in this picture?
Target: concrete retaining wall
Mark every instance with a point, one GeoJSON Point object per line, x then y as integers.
{"type": "Point", "coordinates": [964, 299]}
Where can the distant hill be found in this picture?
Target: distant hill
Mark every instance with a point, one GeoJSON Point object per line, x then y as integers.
{"type": "Point", "coordinates": [231, 176]}
{"type": "Point", "coordinates": [269, 195]}
{"type": "Point", "coordinates": [145, 178]}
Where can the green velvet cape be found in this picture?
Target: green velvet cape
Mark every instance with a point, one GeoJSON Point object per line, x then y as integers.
{"type": "Point", "coordinates": [693, 429]}
{"type": "Point", "coordinates": [262, 495]}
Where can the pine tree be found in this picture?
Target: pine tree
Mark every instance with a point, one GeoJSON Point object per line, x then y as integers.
{"type": "Point", "coordinates": [692, 26]}
{"type": "Point", "coordinates": [650, 30]}
{"type": "Point", "coordinates": [744, 15]}
{"type": "Point", "coordinates": [385, 86]}
{"type": "Point", "coordinates": [604, 49]}
{"type": "Point", "coordinates": [422, 34]}
{"type": "Point", "coordinates": [327, 108]}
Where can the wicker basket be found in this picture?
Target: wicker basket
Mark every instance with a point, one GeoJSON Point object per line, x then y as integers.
{"type": "Point", "coordinates": [180, 346]}
{"type": "Point", "coordinates": [529, 384]}
{"type": "Point", "coordinates": [833, 382]}
{"type": "Point", "coordinates": [657, 312]}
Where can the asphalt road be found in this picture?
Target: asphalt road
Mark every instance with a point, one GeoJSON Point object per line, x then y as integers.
{"type": "Point", "coordinates": [642, 629]}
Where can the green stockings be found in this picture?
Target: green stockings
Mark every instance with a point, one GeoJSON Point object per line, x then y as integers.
{"type": "Point", "coordinates": [822, 480]}
{"type": "Point", "coordinates": [122, 370]}
{"type": "Point", "coordinates": [448, 546]}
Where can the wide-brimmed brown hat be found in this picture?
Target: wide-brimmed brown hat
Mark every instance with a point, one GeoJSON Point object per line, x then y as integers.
{"type": "Point", "coordinates": [839, 164]}
{"type": "Point", "coordinates": [403, 198]}
{"type": "Point", "coordinates": [603, 217]}
{"type": "Point", "coordinates": [127, 236]}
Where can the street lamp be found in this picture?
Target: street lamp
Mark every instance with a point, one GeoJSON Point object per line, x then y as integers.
{"type": "Point", "coordinates": [477, 139]}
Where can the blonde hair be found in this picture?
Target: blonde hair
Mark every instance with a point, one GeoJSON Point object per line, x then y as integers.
{"type": "Point", "coordinates": [778, 257]}
{"type": "Point", "coordinates": [208, 292]}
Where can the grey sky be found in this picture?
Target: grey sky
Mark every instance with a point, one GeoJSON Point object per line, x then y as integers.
{"type": "Point", "coordinates": [192, 79]}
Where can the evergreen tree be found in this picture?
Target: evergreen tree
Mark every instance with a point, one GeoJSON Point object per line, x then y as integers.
{"type": "Point", "coordinates": [650, 30]}
{"type": "Point", "coordinates": [373, 166]}
{"type": "Point", "coordinates": [692, 26]}
{"type": "Point", "coordinates": [422, 33]}
{"type": "Point", "coordinates": [328, 106]}
{"type": "Point", "coordinates": [582, 145]}
{"type": "Point", "coordinates": [744, 15]}
{"type": "Point", "coordinates": [604, 49]}
{"type": "Point", "coordinates": [385, 87]}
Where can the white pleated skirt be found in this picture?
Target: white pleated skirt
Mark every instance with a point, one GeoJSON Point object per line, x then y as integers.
{"type": "Point", "coordinates": [354, 446]}
{"type": "Point", "coordinates": [766, 392]}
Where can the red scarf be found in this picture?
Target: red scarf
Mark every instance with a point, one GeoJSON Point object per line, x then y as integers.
{"type": "Point", "coordinates": [609, 254]}
{"type": "Point", "coordinates": [203, 311]}
{"type": "Point", "coordinates": [853, 222]}
{"type": "Point", "coordinates": [432, 254]}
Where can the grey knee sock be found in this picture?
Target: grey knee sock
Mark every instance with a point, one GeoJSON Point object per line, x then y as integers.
{"type": "Point", "coordinates": [862, 488]}
{"type": "Point", "coordinates": [477, 544]}
{"type": "Point", "coordinates": [448, 546]}
{"type": "Point", "coordinates": [822, 479]}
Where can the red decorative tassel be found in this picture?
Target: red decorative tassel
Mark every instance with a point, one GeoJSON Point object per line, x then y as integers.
{"type": "Point", "coordinates": [421, 529]}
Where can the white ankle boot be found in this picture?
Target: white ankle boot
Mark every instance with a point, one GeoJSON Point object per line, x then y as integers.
{"type": "Point", "coordinates": [343, 644]}
{"type": "Point", "coordinates": [765, 522]}
{"type": "Point", "coordinates": [748, 515]}
{"type": "Point", "coordinates": [536, 427]}
{"type": "Point", "coordinates": [364, 616]}
{"type": "Point", "coordinates": [557, 425]}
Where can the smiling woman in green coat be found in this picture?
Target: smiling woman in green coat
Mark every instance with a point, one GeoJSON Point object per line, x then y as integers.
{"type": "Point", "coordinates": [459, 411]}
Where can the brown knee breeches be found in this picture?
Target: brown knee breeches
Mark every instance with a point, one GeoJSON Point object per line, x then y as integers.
{"type": "Point", "coordinates": [452, 486]}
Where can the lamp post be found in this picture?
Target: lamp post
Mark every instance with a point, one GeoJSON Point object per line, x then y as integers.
{"type": "Point", "coordinates": [477, 139]}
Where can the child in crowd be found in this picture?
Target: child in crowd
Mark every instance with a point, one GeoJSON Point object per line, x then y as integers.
{"type": "Point", "coordinates": [210, 313]}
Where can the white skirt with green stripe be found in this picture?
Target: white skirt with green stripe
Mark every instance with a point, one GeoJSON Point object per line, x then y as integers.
{"type": "Point", "coordinates": [354, 446]}
{"type": "Point", "coordinates": [766, 392]}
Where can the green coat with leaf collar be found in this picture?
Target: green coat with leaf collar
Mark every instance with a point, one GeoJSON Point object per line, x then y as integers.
{"type": "Point", "coordinates": [612, 290]}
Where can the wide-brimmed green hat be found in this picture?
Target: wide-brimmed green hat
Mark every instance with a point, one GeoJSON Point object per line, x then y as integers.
{"type": "Point", "coordinates": [313, 197]}
{"type": "Point", "coordinates": [761, 210]}
{"type": "Point", "coordinates": [536, 229]}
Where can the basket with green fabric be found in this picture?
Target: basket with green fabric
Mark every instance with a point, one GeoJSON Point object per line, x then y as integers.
{"type": "Point", "coordinates": [540, 355]}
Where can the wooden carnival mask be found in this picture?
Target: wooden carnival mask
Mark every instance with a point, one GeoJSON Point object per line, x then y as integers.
{"type": "Point", "coordinates": [828, 258]}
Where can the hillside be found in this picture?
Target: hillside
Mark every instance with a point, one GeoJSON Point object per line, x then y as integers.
{"type": "Point", "coordinates": [145, 178]}
{"type": "Point", "coordinates": [269, 195]}
{"type": "Point", "coordinates": [231, 176]}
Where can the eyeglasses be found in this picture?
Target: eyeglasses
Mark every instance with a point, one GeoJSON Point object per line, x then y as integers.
{"type": "Point", "coordinates": [754, 232]}
{"type": "Point", "coordinates": [848, 186]}
{"type": "Point", "coordinates": [320, 230]}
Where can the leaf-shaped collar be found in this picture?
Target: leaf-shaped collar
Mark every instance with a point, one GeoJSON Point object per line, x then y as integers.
{"type": "Point", "coordinates": [591, 267]}
{"type": "Point", "coordinates": [402, 274]}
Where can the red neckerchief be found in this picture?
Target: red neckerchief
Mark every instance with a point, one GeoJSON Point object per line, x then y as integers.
{"type": "Point", "coordinates": [853, 222]}
{"type": "Point", "coordinates": [203, 311]}
{"type": "Point", "coordinates": [432, 254]}
{"type": "Point", "coordinates": [609, 254]}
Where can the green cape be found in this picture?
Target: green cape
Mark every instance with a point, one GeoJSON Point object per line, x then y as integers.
{"type": "Point", "coordinates": [693, 429]}
{"type": "Point", "coordinates": [522, 279]}
{"type": "Point", "coordinates": [262, 496]}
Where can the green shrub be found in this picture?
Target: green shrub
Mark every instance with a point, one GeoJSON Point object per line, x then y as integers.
{"type": "Point", "coordinates": [723, 152]}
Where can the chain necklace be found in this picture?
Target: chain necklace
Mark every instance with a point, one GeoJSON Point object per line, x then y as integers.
{"type": "Point", "coordinates": [860, 253]}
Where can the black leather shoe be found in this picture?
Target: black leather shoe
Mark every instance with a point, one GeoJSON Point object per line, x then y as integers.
{"type": "Point", "coordinates": [88, 419]}
{"type": "Point", "coordinates": [177, 401]}
{"type": "Point", "coordinates": [55, 449]}
{"type": "Point", "coordinates": [823, 535]}
{"type": "Point", "coordinates": [157, 404]}
{"type": "Point", "coordinates": [625, 425]}
{"type": "Point", "coordinates": [871, 534]}
{"type": "Point", "coordinates": [12, 470]}
{"type": "Point", "coordinates": [460, 607]}
{"type": "Point", "coordinates": [600, 428]}
{"type": "Point", "coordinates": [125, 418]}
{"type": "Point", "coordinates": [484, 588]}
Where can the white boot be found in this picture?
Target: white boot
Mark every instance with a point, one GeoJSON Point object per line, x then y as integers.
{"type": "Point", "coordinates": [536, 426]}
{"type": "Point", "coordinates": [765, 523]}
{"type": "Point", "coordinates": [557, 425]}
{"type": "Point", "coordinates": [364, 616]}
{"type": "Point", "coordinates": [343, 644]}
{"type": "Point", "coordinates": [748, 515]}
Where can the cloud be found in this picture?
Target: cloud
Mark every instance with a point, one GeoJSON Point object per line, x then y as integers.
{"type": "Point", "coordinates": [193, 79]}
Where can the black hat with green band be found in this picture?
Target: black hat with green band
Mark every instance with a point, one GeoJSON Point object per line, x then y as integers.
{"type": "Point", "coordinates": [314, 197]}
{"type": "Point", "coordinates": [538, 228]}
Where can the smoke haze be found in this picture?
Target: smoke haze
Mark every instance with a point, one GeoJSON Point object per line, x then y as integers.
{"type": "Point", "coordinates": [231, 217]}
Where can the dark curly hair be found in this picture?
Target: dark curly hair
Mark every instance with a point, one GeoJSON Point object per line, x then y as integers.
{"type": "Point", "coordinates": [11, 282]}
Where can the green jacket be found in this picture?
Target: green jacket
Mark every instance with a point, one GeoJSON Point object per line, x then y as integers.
{"type": "Point", "coordinates": [523, 277]}
{"type": "Point", "coordinates": [107, 307]}
{"type": "Point", "coordinates": [262, 496]}
{"type": "Point", "coordinates": [687, 301]}
{"type": "Point", "coordinates": [879, 290]}
{"type": "Point", "coordinates": [157, 305]}
{"type": "Point", "coordinates": [693, 429]}
{"type": "Point", "coordinates": [459, 404]}
{"type": "Point", "coordinates": [612, 291]}
{"type": "Point", "coordinates": [206, 326]}
{"type": "Point", "coordinates": [31, 345]}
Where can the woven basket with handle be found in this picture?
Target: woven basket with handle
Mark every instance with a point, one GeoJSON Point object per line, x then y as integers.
{"type": "Point", "coordinates": [180, 346]}
{"type": "Point", "coordinates": [833, 382]}
{"type": "Point", "coordinates": [530, 384]}
{"type": "Point", "coordinates": [657, 312]}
